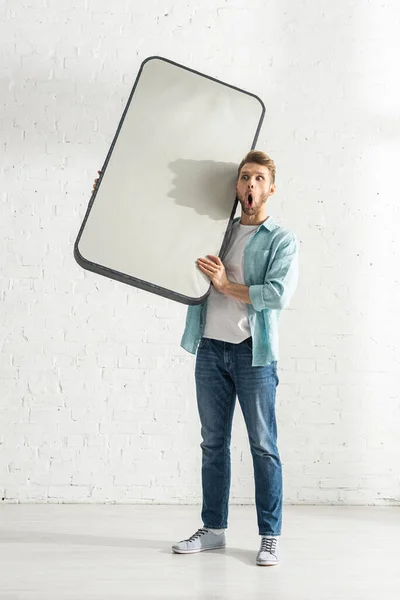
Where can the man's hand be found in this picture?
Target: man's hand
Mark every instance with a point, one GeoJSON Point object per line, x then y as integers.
{"type": "Point", "coordinates": [95, 182]}
{"type": "Point", "coordinates": [216, 272]}
{"type": "Point", "coordinates": [213, 267]}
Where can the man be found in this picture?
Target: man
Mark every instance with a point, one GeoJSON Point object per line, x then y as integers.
{"type": "Point", "coordinates": [235, 334]}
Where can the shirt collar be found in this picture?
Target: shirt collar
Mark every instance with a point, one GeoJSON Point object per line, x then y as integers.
{"type": "Point", "coordinates": [269, 223]}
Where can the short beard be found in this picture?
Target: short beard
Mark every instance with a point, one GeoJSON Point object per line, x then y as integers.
{"type": "Point", "coordinates": [253, 210]}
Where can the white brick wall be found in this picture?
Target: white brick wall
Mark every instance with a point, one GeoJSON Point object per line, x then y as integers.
{"type": "Point", "coordinates": [97, 399]}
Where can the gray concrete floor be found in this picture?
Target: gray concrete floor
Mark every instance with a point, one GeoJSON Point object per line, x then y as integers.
{"type": "Point", "coordinates": [82, 552]}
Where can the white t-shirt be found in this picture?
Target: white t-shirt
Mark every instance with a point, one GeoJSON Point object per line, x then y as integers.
{"type": "Point", "coordinates": [226, 318]}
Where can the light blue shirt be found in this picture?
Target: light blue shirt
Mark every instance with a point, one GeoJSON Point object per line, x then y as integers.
{"type": "Point", "coordinates": [271, 271]}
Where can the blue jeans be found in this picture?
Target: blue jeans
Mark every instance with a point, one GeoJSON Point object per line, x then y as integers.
{"type": "Point", "coordinates": [224, 370]}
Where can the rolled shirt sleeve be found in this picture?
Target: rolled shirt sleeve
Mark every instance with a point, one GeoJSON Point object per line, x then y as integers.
{"type": "Point", "coordinates": [280, 280]}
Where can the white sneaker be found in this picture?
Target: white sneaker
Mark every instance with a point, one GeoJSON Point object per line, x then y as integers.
{"type": "Point", "coordinates": [268, 554]}
{"type": "Point", "coordinates": [199, 541]}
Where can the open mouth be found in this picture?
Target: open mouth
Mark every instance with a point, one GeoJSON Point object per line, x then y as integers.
{"type": "Point", "coordinates": [249, 200]}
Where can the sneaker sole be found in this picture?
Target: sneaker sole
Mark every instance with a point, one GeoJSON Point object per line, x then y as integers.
{"type": "Point", "coordinates": [267, 564]}
{"type": "Point", "coordinates": [178, 551]}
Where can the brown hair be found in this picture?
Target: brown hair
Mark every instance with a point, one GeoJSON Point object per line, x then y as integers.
{"type": "Point", "coordinates": [260, 158]}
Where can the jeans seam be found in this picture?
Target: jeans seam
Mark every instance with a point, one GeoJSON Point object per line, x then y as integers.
{"type": "Point", "coordinates": [225, 457]}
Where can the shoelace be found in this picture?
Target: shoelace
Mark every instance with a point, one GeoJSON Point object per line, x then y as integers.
{"type": "Point", "coordinates": [268, 545]}
{"type": "Point", "coordinates": [196, 535]}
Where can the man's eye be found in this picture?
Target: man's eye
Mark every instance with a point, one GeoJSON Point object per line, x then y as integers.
{"type": "Point", "coordinates": [260, 177]}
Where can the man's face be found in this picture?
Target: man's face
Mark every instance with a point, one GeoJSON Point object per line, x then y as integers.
{"type": "Point", "coordinates": [254, 187]}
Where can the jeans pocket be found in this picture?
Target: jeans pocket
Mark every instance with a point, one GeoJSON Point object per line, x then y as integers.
{"type": "Point", "coordinates": [249, 343]}
{"type": "Point", "coordinates": [275, 364]}
{"type": "Point", "coordinates": [202, 343]}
